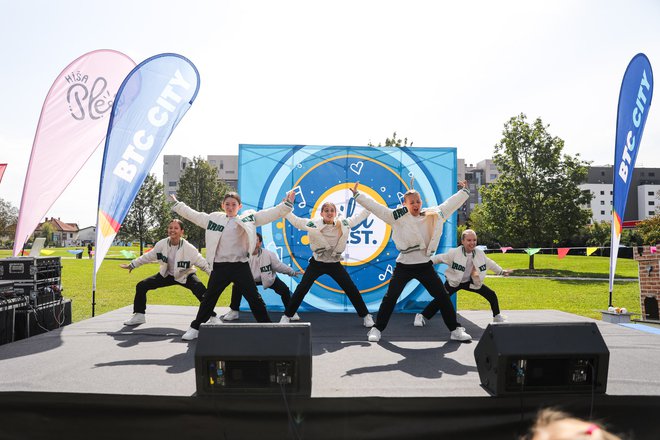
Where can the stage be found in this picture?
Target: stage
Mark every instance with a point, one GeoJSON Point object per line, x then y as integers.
{"type": "Point", "coordinates": [104, 378]}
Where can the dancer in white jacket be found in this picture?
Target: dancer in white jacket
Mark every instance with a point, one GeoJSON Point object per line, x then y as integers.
{"type": "Point", "coordinates": [466, 271]}
{"type": "Point", "coordinates": [265, 266]}
{"type": "Point", "coordinates": [327, 239]}
{"type": "Point", "coordinates": [177, 259]}
{"type": "Point", "coordinates": [230, 238]}
{"type": "Point", "coordinates": [416, 234]}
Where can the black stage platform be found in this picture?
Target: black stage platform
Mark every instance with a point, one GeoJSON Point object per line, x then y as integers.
{"type": "Point", "coordinates": [98, 378]}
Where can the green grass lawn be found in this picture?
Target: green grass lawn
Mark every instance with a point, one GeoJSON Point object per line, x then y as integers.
{"type": "Point", "coordinates": [116, 287]}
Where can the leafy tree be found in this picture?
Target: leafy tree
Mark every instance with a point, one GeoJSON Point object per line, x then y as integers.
{"type": "Point", "coordinates": [201, 189]}
{"type": "Point", "coordinates": [8, 217]}
{"type": "Point", "coordinates": [47, 231]}
{"type": "Point", "coordinates": [600, 235]}
{"type": "Point", "coordinates": [393, 142]}
{"type": "Point", "coordinates": [649, 229]}
{"type": "Point", "coordinates": [146, 214]}
{"type": "Point", "coordinates": [535, 201]}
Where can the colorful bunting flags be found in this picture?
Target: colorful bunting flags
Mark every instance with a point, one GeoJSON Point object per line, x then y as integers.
{"type": "Point", "coordinates": [532, 251]}
{"type": "Point", "coordinates": [591, 250]}
{"type": "Point", "coordinates": [561, 252]}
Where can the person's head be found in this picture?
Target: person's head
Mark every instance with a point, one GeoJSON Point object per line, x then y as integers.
{"type": "Point", "coordinates": [260, 240]}
{"type": "Point", "coordinates": [469, 240]}
{"type": "Point", "coordinates": [175, 229]}
{"type": "Point", "coordinates": [413, 201]}
{"type": "Point", "coordinates": [231, 204]}
{"type": "Point", "coordinates": [328, 212]}
{"type": "Point", "coordinates": [551, 424]}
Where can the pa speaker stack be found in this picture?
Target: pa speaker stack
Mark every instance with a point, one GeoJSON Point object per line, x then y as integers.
{"type": "Point", "coordinates": [254, 359]}
{"type": "Point", "coordinates": [542, 358]}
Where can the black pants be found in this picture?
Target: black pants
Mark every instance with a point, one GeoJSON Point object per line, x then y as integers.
{"type": "Point", "coordinates": [157, 281]}
{"type": "Point", "coordinates": [337, 272]}
{"type": "Point", "coordinates": [425, 274]}
{"type": "Point", "coordinates": [433, 307]}
{"type": "Point", "coordinates": [278, 286]}
{"type": "Point", "coordinates": [223, 274]}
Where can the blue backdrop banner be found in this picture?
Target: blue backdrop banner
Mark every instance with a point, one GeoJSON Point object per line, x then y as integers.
{"type": "Point", "coordinates": [321, 174]}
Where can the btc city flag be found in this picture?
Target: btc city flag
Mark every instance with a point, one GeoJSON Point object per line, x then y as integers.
{"type": "Point", "coordinates": [72, 125]}
{"type": "Point", "coordinates": [150, 103]}
{"type": "Point", "coordinates": [634, 102]}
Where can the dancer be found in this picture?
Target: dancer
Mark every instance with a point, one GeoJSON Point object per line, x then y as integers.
{"type": "Point", "coordinates": [416, 234]}
{"type": "Point", "coordinates": [229, 239]}
{"type": "Point", "coordinates": [177, 259]}
{"type": "Point", "coordinates": [327, 239]}
{"type": "Point", "coordinates": [264, 265]}
{"type": "Point", "coordinates": [466, 271]}
{"type": "Point", "coordinates": [552, 424]}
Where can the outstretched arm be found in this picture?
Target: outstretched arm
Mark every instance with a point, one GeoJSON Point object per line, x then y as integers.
{"type": "Point", "coordinates": [382, 212]}
{"type": "Point", "coordinates": [276, 212]}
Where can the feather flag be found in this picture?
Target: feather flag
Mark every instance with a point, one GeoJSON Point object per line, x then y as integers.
{"type": "Point", "coordinates": [73, 122]}
{"type": "Point", "coordinates": [149, 105]}
{"type": "Point", "coordinates": [634, 103]}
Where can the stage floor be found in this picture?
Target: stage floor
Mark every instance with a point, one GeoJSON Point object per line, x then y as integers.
{"type": "Point", "coordinates": [102, 356]}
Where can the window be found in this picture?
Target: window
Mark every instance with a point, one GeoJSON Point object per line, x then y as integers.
{"type": "Point", "coordinates": [602, 173]}
{"type": "Point", "coordinates": [171, 183]}
{"type": "Point", "coordinates": [493, 176]}
{"type": "Point", "coordinates": [651, 212]}
{"type": "Point", "coordinates": [651, 174]}
{"type": "Point", "coordinates": [610, 192]}
{"type": "Point", "coordinates": [222, 165]}
{"type": "Point", "coordinates": [602, 212]}
{"type": "Point", "coordinates": [602, 202]}
{"type": "Point", "coordinates": [651, 203]}
{"type": "Point", "coordinates": [650, 193]}
{"type": "Point", "coordinates": [229, 171]}
{"type": "Point", "coordinates": [602, 193]}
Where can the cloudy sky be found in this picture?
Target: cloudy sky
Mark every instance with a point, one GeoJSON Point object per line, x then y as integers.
{"type": "Point", "coordinates": [443, 74]}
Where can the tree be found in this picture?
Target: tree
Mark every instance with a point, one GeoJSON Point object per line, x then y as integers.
{"type": "Point", "coordinates": [8, 217]}
{"type": "Point", "coordinates": [600, 234]}
{"type": "Point", "coordinates": [47, 231]}
{"type": "Point", "coordinates": [201, 189]}
{"type": "Point", "coordinates": [649, 229]}
{"type": "Point", "coordinates": [535, 201]}
{"type": "Point", "coordinates": [146, 214]}
{"type": "Point", "coordinates": [394, 142]}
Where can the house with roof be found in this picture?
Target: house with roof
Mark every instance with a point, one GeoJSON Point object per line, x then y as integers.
{"type": "Point", "coordinates": [64, 234]}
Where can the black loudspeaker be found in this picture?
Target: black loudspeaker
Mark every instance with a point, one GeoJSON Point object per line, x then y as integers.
{"type": "Point", "coordinates": [542, 358]}
{"type": "Point", "coordinates": [254, 359]}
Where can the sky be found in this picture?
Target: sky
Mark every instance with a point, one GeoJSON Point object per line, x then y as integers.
{"type": "Point", "coordinates": [441, 73]}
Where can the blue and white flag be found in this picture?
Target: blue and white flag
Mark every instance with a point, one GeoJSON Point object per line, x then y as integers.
{"type": "Point", "coordinates": [634, 102]}
{"type": "Point", "coordinates": [149, 105]}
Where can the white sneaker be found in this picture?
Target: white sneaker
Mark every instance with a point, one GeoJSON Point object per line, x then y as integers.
{"type": "Point", "coordinates": [459, 334]}
{"type": "Point", "coordinates": [499, 318]}
{"type": "Point", "coordinates": [373, 335]}
{"type": "Point", "coordinates": [136, 319]}
{"type": "Point", "coordinates": [231, 315]}
{"type": "Point", "coordinates": [295, 317]}
{"type": "Point", "coordinates": [214, 320]}
{"type": "Point", "coordinates": [285, 319]}
{"type": "Point", "coordinates": [368, 320]}
{"type": "Point", "coordinates": [190, 334]}
{"type": "Point", "coordinates": [420, 321]}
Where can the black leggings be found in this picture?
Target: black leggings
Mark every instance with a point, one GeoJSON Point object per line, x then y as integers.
{"type": "Point", "coordinates": [425, 274]}
{"type": "Point", "coordinates": [223, 274]}
{"type": "Point", "coordinates": [433, 307]}
{"type": "Point", "coordinates": [278, 286]}
{"type": "Point", "coordinates": [338, 273]}
{"type": "Point", "coordinates": [157, 281]}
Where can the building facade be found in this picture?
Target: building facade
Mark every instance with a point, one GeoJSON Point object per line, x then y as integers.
{"type": "Point", "coordinates": [174, 166]}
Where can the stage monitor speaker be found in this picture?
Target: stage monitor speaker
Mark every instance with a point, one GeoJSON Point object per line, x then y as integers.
{"type": "Point", "coordinates": [254, 359]}
{"type": "Point", "coordinates": [542, 358]}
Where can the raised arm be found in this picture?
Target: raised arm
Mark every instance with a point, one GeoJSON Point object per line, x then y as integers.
{"type": "Point", "coordinates": [269, 215]}
{"type": "Point", "coordinates": [454, 202]}
{"type": "Point", "coordinates": [382, 212]}
{"type": "Point", "coordinates": [201, 219]}
{"type": "Point", "coordinates": [441, 258]}
{"type": "Point", "coordinates": [298, 222]}
{"type": "Point", "coordinates": [359, 218]}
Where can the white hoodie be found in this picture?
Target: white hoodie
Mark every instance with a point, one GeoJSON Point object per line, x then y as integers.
{"type": "Point", "coordinates": [187, 257]}
{"type": "Point", "coordinates": [265, 265]}
{"type": "Point", "coordinates": [405, 233]}
{"type": "Point", "coordinates": [456, 259]}
{"type": "Point", "coordinates": [318, 243]}
{"type": "Point", "coordinates": [215, 223]}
